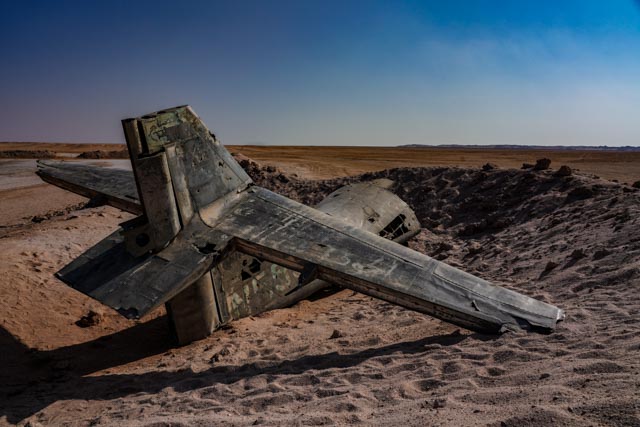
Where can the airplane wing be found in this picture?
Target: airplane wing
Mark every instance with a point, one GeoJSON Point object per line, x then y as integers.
{"type": "Point", "coordinates": [277, 229]}
{"type": "Point", "coordinates": [116, 187]}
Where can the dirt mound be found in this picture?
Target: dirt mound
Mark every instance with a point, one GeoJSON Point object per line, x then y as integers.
{"type": "Point", "coordinates": [104, 154]}
{"type": "Point", "coordinates": [573, 241]}
{"type": "Point", "coordinates": [27, 154]}
{"type": "Point", "coordinates": [465, 202]}
{"type": "Point", "coordinates": [564, 171]}
{"type": "Point", "coordinates": [542, 164]}
{"type": "Point", "coordinates": [520, 216]}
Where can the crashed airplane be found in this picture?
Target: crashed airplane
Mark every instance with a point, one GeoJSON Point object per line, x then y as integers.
{"type": "Point", "coordinates": [214, 247]}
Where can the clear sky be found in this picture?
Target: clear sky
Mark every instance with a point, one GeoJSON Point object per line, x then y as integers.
{"type": "Point", "coordinates": [556, 72]}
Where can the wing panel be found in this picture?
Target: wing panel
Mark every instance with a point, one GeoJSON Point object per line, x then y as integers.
{"type": "Point", "coordinates": [136, 285]}
{"type": "Point", "coordinates": [294, 235]}
{"type": "Point", "coordinates": [116, 186]}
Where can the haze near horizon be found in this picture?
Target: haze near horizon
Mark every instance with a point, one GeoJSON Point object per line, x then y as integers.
{"type": "Point", "coordinates": [326, 73]}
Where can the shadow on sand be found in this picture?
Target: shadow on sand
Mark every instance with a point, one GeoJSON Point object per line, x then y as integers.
{"type": "Point", "coordinates": [32, 380]}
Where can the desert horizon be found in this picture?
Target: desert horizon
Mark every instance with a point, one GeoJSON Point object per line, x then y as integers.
{"type": "Point", "coordinates": [322, 162]}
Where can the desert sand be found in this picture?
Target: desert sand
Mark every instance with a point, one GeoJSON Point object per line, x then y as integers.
{"type": "Point", "coordinates": [341, 357]}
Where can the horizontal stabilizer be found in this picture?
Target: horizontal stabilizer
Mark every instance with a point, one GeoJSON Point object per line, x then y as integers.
{"type": "Point", "coordinates": [135, 285]}
{"type": "Point", "coordinates": [114, 187]}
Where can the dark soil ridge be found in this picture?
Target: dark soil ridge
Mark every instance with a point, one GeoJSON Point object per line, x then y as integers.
{"type": "Point", "coordinates": [103, 154]}
{"type": "Point", "coordinates": [27, 154]}
{"type": "Point", "coordinates": [537, 227]}
{"type": "Point", "coordinates": [47, 154]}
{"type": "Point", "coordinates": [466, 201]}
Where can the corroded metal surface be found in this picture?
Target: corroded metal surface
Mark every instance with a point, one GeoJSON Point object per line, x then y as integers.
{"type": "Point", "coordinates": [371, 207]}
{"type": "Point", "coordinates": [251, 285]}
{"type": "Point", "coordinates": [277, 229]}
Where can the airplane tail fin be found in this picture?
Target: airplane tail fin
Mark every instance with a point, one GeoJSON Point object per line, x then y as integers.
{"type": "Point", "coordinates": [181, 169]}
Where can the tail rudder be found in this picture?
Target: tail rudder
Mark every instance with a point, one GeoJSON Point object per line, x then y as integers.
{"type": "Point", "coordinates": [180, 168]}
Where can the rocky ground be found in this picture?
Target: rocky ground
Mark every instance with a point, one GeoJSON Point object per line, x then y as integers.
{"type": "Point", "coordinates": [343, 358]}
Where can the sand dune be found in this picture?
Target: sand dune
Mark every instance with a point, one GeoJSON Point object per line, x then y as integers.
{"type": "Point", "coordinates": [345, 358]}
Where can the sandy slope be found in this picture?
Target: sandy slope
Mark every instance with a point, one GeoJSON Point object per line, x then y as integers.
{"type": "Point", "coordinates": [572, 241]}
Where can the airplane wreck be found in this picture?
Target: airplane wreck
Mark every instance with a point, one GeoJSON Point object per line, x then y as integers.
{"type": "Point", "coordinates": [214, 247]}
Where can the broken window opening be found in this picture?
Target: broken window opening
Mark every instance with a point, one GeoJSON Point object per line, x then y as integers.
{"type": "Point", "coordinates": [142, 240]}
{"type": "Point", "coordinates": [396, 228]}
{"type": "Point", "coordinates": [252, 269]}
{"type": "Point", "coordinates": [209, 248]}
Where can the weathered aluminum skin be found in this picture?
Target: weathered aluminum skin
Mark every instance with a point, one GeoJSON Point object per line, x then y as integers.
{"type": "Point", "coordinates": [227, 213]}
{"type": "Point", "coordinates": [367, 206]}
{"type": "Point", "coordinates": [249, 285]}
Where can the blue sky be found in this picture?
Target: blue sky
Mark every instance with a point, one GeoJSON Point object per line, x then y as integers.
{"type": "Point", "coordinates": [325, 72]}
